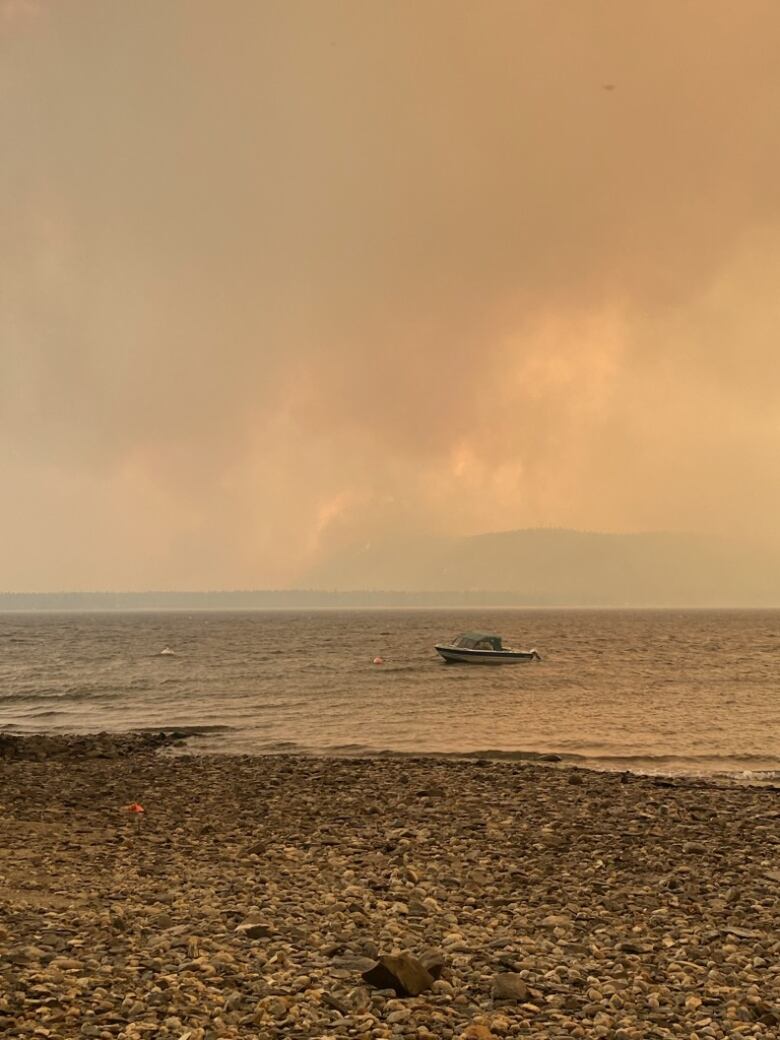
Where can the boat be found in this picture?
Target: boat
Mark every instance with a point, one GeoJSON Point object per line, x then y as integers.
{"type": "Point", "coordinates": [482, 648]}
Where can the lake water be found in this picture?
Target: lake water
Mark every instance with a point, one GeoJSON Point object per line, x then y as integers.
{"type": "Point", "coordinates": [658, 691]}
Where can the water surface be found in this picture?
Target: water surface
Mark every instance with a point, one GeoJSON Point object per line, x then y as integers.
{"type": "Point", "coordinates": [661, 691]}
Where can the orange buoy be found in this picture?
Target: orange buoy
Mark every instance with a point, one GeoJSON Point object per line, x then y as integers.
{"type": "Point", "coordinates": [379, 660]}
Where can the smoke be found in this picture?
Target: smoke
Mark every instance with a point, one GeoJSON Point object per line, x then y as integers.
{"type": "Point", "coordinates": [286, 276]}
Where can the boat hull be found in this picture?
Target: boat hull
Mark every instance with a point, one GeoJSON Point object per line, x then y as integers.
{"type": "Point", "coordinates": [462, 655]}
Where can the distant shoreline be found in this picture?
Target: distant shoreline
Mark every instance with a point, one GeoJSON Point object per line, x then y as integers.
{"type": "Point", "coordinates": [293, 601]}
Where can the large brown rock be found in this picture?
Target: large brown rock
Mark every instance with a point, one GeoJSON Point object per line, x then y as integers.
{"type": "Point", "coordinates": [404, 973]}
{"type": "Point", "coordinates": [509, 986]}
{"type": "Point", "coordinates": [255, 930]}
{"type": "Point", "coordinates": [433, 962]}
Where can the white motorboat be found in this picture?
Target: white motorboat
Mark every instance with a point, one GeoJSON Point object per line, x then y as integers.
{"type": "Point", "coordinates": [482, 648]}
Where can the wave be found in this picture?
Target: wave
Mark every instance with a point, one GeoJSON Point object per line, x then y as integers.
{"type": "Point", "coordinates": [230, 739]}
{"type": "Point", "coordinates": [732, 767]}
{"type": "Point", "coordinates": [47, 696]}
{"type": "Point", "coordinates": [752, 774]}
{"type": "Point", "coordinates": [657, 756]}
{"type": "Point", "coordinates": [187, 731]}
{"type": "Point", "coordinates": [522, 754]}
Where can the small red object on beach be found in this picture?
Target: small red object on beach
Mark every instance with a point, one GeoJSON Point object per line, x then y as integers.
{"type": "Point", "coordinates": [135, 807]}
{"type": "Point", "coordinates": [379, 660]}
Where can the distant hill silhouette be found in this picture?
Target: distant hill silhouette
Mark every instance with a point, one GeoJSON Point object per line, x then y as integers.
{"type": "Point", "coordinates": [561, 567]}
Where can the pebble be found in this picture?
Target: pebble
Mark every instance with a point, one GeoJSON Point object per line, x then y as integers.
{"type": "Point", "coordinates": [256, 892]}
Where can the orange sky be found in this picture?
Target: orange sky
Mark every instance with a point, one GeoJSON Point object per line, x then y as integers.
{"type": "Point", "coordinates": [276, 277]}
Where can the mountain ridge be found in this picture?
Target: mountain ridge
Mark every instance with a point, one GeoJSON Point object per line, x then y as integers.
{"type": "Point", "coordinates": [566, 567]}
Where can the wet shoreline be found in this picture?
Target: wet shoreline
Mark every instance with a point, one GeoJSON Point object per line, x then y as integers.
{"type": "Point", "coordinates": [199, 740]}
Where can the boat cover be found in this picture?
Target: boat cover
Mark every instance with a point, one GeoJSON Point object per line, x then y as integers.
{"type": "Point", "coordinates": [478, 641]}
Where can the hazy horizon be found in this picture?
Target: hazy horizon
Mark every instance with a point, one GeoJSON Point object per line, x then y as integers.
{"type": "Point", "coordinates": [540, 567]}
{"type": "Point", "coordinates": [279, 280]}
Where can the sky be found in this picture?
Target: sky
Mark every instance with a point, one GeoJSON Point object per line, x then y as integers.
{"type": "Point", "coordinates": [277, 278]}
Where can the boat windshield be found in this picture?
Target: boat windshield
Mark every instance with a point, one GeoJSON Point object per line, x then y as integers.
{"type": "Point", "coordinates": [477, 641]}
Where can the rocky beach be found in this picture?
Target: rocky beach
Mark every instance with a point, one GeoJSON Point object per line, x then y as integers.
{"type": "Point", "coordinates": [145, 893]}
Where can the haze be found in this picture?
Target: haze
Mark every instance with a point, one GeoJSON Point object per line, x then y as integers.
{"type": "Point", "coordinates": [281, 278]}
